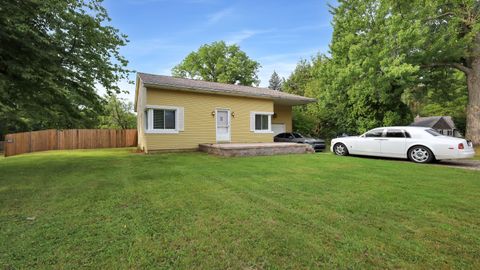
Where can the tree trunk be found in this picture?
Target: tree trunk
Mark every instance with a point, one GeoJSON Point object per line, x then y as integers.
{"type": "Point", "coordinates": [473, 108]}
{"type": "Point", "coordinates": [473, 85]}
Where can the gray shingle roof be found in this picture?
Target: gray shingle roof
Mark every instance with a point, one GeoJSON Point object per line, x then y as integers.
{"type": "Point", "coordinates": [430, 121]}
{"type": "Point", "coordinates": [168, 82]}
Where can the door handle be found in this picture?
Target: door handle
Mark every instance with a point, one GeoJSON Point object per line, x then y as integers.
{"type": "Point", "coordinates": [381, 139]}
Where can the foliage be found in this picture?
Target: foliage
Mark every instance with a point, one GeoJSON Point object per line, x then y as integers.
{"type": "Point", "coordinates": [385, 55]}
{"type": "Point", "coordinates": [117, 114]}
{"type": "Point", "coordinates": [296, 82]}
{"type": "Point", "coordinates": [303, 123]}
{"type": "Point", "coordinates": [275, 82]}
{"type": "Point", "coordinates": [53, 55]}
{"type": "Point", "coordinates": [219, 62]}
{"type": "Point", "coordinates": [441, 92]}
{"type": "Point", "coordinates": [185, 211]}
{"type": "Point", "coordinates": [447, 35]}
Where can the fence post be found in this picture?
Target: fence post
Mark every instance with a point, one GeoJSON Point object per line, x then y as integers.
{"type": "Point", "coordinates": [29, 142]}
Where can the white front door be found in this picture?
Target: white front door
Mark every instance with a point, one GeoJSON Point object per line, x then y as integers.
{"type": "Point", "coordinates": [278, 128]}
{"type": "Point", "coordinates": [223, 125]}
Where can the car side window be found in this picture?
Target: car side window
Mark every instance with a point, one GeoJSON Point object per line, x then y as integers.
{"type": "Point", "coordinates": [281, 135]}
{"type": "Point", "coordinates": [407, 135]}
{"type": "Point", "coordinates": [395, 133]}
{"type": "Point", "coordinates": [296, 135]}
{"type": "Point", "coordinates": [289, 136]}
{"type": "Point", "coordinates": [374, 133]}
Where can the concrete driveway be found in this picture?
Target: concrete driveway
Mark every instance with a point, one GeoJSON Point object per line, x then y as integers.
{"type": "Point", "coordinates": [463, 164]}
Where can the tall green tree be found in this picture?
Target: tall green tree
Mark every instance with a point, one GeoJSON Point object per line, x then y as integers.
{"type": "Point", "coordinates": [447, 35]}
{"type": "Point", "coordinates": [219, 62]}
{"type": "Point", "coordinates": [324, 118]}
{"type": "Point", "coordinates": [440, 92]}
{"type": "Point", "coordinates": [408, 40]}
{"type": "Point", "coordinates": [117, 114]}
{"type": "Point", "coordinates": [297, 81]}
{"type": "Point", "coordinates": [386, 52]}
{"type": "Point", "coordinates": [53, 56]}
{"type": "Point", "coordinates": [275, 83]}
{"type": "Point", "coordinates": [372, 72]}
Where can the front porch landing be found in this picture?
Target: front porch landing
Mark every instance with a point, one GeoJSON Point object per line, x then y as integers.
{"type": "Point", "coordinates": [255, 149]}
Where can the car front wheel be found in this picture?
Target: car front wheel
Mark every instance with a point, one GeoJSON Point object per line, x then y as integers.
{"type": "Point", "coordinates": [340, 149]}
{"type": "Point", "coordinates": [420, 154]}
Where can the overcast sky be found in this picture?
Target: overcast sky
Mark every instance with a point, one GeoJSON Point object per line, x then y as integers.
{"type": "Point", "coordinates": [275, 33]}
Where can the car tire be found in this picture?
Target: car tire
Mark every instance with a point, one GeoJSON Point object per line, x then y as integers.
{"type": "Point", "coordinates": [340, 149]}
{"type": "Point", "coordinates": [420, 154]}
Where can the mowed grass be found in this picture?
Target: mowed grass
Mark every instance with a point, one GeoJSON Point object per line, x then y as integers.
{"type": "Point", "coordinates": [118, 210]}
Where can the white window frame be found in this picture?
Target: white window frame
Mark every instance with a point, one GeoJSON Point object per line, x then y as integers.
{"type": "Point", "coordinates": [269, 114]}
{"type": "Point", "coordinates": [151, 130]}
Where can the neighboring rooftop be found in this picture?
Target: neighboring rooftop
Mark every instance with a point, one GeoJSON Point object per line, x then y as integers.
{"type": "Point", "coordinates": [173, 83]}
{"type": "Point", "coordinates": [432, 121]}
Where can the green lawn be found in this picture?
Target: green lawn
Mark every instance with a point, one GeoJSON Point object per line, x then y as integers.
{"type": "Point", "coordinates": [114, 209]}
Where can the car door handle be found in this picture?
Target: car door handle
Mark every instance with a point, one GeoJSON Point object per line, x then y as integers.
{"type": "Point", "coordinates": [381, 139]}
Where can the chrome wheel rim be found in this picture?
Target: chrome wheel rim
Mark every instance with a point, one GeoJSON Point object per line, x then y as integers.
{"type": "Point", "coordinates": [340, 150]}
{"type": "Point", "coordinates": [419, 154]}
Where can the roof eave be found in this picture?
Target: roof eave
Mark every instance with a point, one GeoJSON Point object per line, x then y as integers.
{"type": "Point", "coordinates": [280, 100]}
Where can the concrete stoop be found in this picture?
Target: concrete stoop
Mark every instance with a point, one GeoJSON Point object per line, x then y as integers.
{"type": "Point", "coordinates": [255, 149]}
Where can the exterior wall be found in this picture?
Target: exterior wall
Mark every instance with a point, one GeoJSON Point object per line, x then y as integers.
{"type": "Point", "coordinates": [199, 124]}
{"type": "Point", "coordinates": [141, 117]}
{"type": "Point", "coordinates": [283, 115]}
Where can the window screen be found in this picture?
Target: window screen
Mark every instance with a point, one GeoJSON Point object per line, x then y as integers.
{"type": "Point", "coordinates": [261, 122]}
{"type": "Point", "coordinates": [163, 119]}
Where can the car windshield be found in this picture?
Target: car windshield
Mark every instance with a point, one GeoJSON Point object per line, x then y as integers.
{"type": "Point", "coordinates": [433, 132]}
{"type": "Point", "coordinates": [297, 135]}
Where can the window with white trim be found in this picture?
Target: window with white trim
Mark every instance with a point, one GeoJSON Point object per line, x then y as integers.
{"type": "Point", "coordinates": [159, 119]}
{"type": "Point", "coordinates": [261, 122]}
{"type": "Point", "coordinates": [164, 119]}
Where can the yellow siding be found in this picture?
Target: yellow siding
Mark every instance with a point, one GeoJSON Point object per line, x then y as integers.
{"type": "Point", "coordinates": [283, 115]}
{"type": "Point", "coordinates": [199, 124]}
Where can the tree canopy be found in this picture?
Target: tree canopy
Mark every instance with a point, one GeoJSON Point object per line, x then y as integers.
{"type": "Point", "coordinates": [392, 59]}
{"type": "Point", "coordinates": [219, 62]}
{"type": "Point", "coordinates": [53, 57]}
{"type": "Point", "coordinates": [117, 114]}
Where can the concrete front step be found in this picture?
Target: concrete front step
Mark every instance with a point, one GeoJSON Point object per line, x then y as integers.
{"type": "Point", "coordinates": [255, 149]}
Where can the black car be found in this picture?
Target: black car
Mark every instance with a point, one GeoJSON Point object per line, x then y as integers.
{"type": "Point", "coordinates": [295, 137]}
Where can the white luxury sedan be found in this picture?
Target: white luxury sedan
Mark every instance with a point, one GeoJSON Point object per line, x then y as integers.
{"type": "Point", "coordinates": [419, 144]}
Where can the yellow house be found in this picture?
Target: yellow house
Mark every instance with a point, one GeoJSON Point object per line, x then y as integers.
{"type": "Point", "coordinates": [179, 114]}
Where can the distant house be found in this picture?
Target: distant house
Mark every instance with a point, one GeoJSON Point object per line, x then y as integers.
{"type": "Point", "coordinates": [176, 114]}
{"type": "Point", "coordinates": [442, 124]}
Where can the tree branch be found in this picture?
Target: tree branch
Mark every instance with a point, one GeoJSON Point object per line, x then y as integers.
{"type": "Point", "coordinates": [458, 66]}
{"type": "Point", "coordinates": [440, 16]}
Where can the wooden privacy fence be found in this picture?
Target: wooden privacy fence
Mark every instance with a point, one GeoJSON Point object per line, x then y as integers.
{"type": "Point", "coordinates": [53, 139]}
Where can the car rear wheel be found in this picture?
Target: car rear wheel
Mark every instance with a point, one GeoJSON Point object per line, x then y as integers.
{"type": "Point", "coordinates": [420, 154]}
{"type": "Point", "coordinates": [340, 149]}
